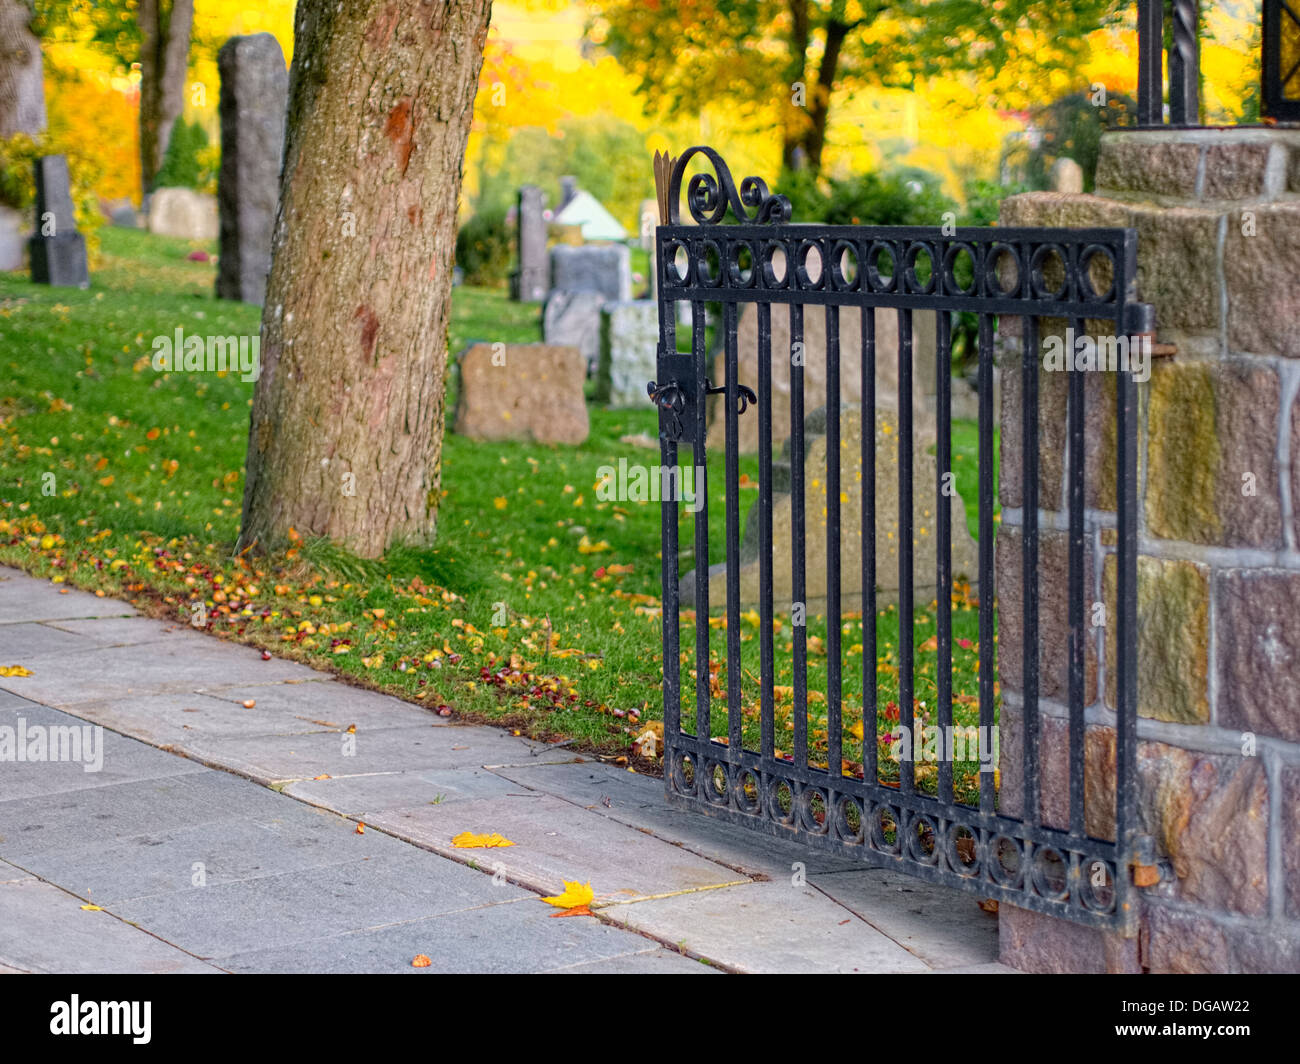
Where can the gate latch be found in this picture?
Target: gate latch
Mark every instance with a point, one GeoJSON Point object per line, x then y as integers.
{"type": "Point", "coordinates": [675, 397]}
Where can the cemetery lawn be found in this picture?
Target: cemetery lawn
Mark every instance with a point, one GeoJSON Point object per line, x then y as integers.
{"type": "Point", "coordinates": [538, 607]}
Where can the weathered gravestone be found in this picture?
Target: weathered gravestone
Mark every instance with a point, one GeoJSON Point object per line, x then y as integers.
{"type": "Point", "coordinates": [965, 553]}
{"type": "Point", "coordinates": [814, 367]}
{"type": "Point", "coordinates": [1067, 176]}
{"type": "Point", "coordinates": [58, 251]}
{"type": "Point", "coordinates": [532, 280]}
{"type": "Point", "coordinates": [254, 101]}
{"type": "Point", "coordinates": [522, 392]}
{"type": "Point", "coordinates": [628, 345]}
{"type": "Point", "coordinates": [572, 319]}
{"type": "Point", "coordinates": [183, 213]}
{"type": "Point", "coordinates": [13, 238]}
{"type": "Point", "coordinates": [603, 268]}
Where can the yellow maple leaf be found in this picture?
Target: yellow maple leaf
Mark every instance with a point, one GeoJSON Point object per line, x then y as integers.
{"type": "Point", "coordinates": [575, 894]}
{"type": "Point", "coordinates": [467, 840]}
{"type": "Point", "coordinates": [14, 670]}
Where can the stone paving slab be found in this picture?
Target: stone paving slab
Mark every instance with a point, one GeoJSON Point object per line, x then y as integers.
{"type": "Point", "coordinates": [274, 759]}
{"type": "Point", "coordinates": [124, 631]}
{"type": "Point", "coordinates": [75, 819]}
{"type": "Point", "coordinates": [521, 936]}
{"type": "Point", "coordinates": [121, 760]}
{"type": "Point", "coordinates": [226, 851]}
{"type": "Point", "coordinates": [183, 662]}
{"type": "Point", "coordinates": [366, 796]}
{"type": "Point", "coordinates": [21, 642]}
{"type": "Point", "coordinates": [295, 907]}
{"type": "Point", "coordinates": [638, 801]}
{"type": "Point", "coordinates": [54, 934]}
{"type": "Point", "coordinates": [941, 926]}
{"type": "Point", "coordinates": [556, 842]}
{"type": "Point", "coordinates": [323, 698]}
{"type": "Point", "coordinates": [648, 962]}
{"type": "Point", "coordinates": [24, 598]}
{"type": "Point", "coordinates": [768, 927]}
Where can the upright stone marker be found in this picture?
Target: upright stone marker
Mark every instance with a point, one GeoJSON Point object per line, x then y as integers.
{"type": "Point", "coordinates": [603, 268]}
{"type": "Point", "coordinates": [628, 345]}
{"type": "Point", "coordinates": [58, 251]}
{"type": "Point", "coordinates": [254, 101]}
{"type": "Point", "coordinates": [533, 280]}
{"type": "Point", "coordinates": [522, 392]}
{"type": "Point", "coordinates": [573, 319]}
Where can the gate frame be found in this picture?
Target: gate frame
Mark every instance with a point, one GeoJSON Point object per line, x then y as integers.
{"type": "Point", "coordinates": [718, 771]}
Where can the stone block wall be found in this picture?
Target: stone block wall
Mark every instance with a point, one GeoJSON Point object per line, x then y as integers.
{"type": "Point", "coordinates": [1217, 214]}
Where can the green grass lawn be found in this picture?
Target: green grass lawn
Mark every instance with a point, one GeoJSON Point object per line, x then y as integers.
{"type": "Point", "coordinates": [538, 607]}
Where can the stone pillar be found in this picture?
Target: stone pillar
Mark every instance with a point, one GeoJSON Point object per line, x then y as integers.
{"type": "Point", "coordinates": [533, 280]}
{"type": "Point", "coordinates": [1218, 221]}
{"type": "Point", "coordinates": [254, 102]}
{"type": "Point", "coordinates": [58, 251]}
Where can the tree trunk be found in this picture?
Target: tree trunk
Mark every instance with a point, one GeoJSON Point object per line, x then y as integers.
{"type": "Point", "coordinates": [22, 88]}
{"type": "Point", "coordinates": [164, 59]}
{"type": "Point", "coordinates": [346, 433]}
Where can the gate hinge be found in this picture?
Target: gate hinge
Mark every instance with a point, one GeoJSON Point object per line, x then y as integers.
{"type": "Point", "coordinates": [1148, 868]}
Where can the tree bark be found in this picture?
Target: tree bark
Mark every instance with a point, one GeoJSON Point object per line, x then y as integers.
{"type": "Point", "coordinates": [22, 88]}
{"type": "Point", "coordinates": [164, 59]}
{"type": "Point", "coordinates": [346, 433]}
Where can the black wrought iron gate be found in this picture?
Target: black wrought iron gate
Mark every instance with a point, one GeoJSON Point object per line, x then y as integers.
{"type": "Point", "coordinates": [1033, 274]}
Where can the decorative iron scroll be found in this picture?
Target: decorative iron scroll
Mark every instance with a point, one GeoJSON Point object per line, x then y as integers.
{"type": "Point", "coordinates": [708, 197]}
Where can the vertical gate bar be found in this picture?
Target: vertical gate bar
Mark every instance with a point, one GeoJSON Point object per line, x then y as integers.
{"type": "Point", "coordinates": [834, 759]}
{"type": "Point", "coordinates": [870, 769]}
{"type": "Point", "coordinates": [668, 513]}
{"type": "Point", "coordinates": [1077, 637]}
{"type": "Point", "coordinates": [767, 668]}
{"type": "Point", "coordinates": [1151, 46]}
{"type": "Point", "coordinates": [797, 519]}
{"type": "Point", "coordinates": [987, 788]}
{"type": "Point", "coordinates": [1127, 631]}
{"type": "Point", "coordinates": [700, 477]}
{"type": "Point", "coordinates": [943, 546]}
{"type": "Point", "coordinates": [1184, 65]}
{"type": "Point", "coordinates": [1029, 562]}
{"type": "Point", "coordinates": [730, 398]}
{"type": "Point", "coordinates": [906, 617]}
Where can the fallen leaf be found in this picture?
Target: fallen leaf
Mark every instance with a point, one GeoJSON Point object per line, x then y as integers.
{"type": "Point", "coordinates": [92, 908]}
{"type": "Point", "coordinates": [467, 840]}
{"type": "Point", "coordinates": [421, 961]}
{"type": "Point", "coordinates": [361, 829]}
{"type": "Point", "coordinates": [575, 895]}
{"type": "Point", "coordinates": [14, 670]}
{"type": "Point", "coordinates": [577, 910]}
{"type": "Point", "coordinates": [989, 905]}
{"type": "Point", "coordinates": [320, 777]}
{"type": "Point", "coordinates": [249, 703]}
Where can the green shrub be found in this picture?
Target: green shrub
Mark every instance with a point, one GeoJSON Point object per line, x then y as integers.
{"type": "Point", "coordinates": [483, 248]}
{"type": "Point", "coordinates": [190, 161]}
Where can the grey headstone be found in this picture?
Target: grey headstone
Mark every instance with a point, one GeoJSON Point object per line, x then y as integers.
{"type": "Point", "coordinates": [254, 101]}
{"type": "Point", "coordinates": [13, 238]}
{"type": "Point", "coordinates": [58, 250]}
{"type": "Point", "coordinates": [533, 279]}
{"type": "Point", "coordinates": [603, 268]}
{"type": "Point", "coordinates": [573, 319]}
{"type": "Point", "coordinates": [629, 342]}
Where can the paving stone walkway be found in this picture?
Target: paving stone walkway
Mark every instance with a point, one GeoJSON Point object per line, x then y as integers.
{"type": "Point", "coordinates": [216, 837]}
